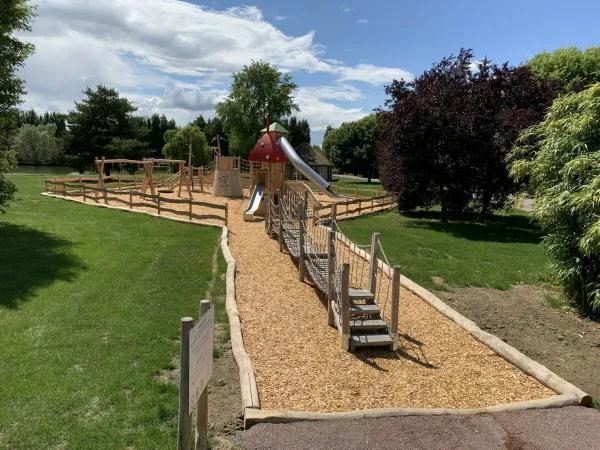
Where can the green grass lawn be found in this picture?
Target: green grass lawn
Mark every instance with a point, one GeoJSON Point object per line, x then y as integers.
{"type": "Point", "coordinates": [90, 303]}
{"type": "Point", "coordinates": [503, 252]}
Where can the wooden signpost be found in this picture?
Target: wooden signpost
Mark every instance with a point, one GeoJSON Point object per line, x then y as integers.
{"type": "Point", "coordinates": [196, 369]}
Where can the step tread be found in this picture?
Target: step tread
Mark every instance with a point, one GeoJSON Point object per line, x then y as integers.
{"type": "Point", "coordinates": [368, 340]}
{"type": "Point", "coordinates": [366, 309]}
{"type": "Point", "coordinates": [367, 324]}
{"type": "Point", "coordinates": [361, 294]}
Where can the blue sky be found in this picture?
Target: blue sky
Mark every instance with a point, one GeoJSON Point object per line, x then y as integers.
{"type": "Point", "coordinates": [176, 58]}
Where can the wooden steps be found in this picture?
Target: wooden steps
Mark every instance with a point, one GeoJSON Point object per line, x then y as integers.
{"type": "Point", "coordinates": [370, 340]}
{"type": "Point", "coordinates": [367, 325]}
{"type": "Point", "coordinates": [361, 294]}
{"type": "Point", "coordinates": [368, 309]}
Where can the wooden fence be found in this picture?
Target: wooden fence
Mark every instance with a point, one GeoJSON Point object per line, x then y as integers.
{"type": "Point", "coordinates": [130, 198]}
{"type": "Point", "coordinates": [354, 207]}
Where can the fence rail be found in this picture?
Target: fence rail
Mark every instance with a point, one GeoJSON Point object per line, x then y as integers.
{"type": "Point", "coordinates": [130, 198]}
{"type": "Point", "coordinates": [349, 208]}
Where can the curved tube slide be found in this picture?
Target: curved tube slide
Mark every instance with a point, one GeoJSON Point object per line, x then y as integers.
{"type": "Point", "coordinates": [304, 168]}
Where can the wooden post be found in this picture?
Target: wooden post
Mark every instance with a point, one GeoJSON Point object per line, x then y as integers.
{"type": "Point", "coordinates": [201, 173]}
{"type": "Point", "coordinates": [190, 209]}
{"type": "Point", "coordinates": [80, 184]}
{"type": "Point", "coordinates": [334, 217]}
{"type": "Point", "coordinates": [302, 256]}
{"type": "Point", "coordinates": [226, 214]}
{"type": "Point", "coordinates": [201, 442]}
{"type": "Point", "coordinates": [345, 312]}
{"type": "Point", "coordinates": [64, 189]}
{"type": "Point", "coordinates": [135, 181]}
{"type": "Point", "coordinates": [267, 215]}
{"type": "Point", "coordinates": [119, 180]}
{"type": "Point", "coordinates": [280, 210]}
{"type": "Point", "coordinates": [45, 185]}
{"type": "Point", "coordinates": [395, 307]}
{"type": "Point", "coordinates": [184, 430]}
{"type": "Point", "coordinates": [373, 264]}
{"type": "Point", "coordinates": [330, 277]}
{"type": "Point", "coordinates": [83, 187]}
{"type": "Point", "coordinates": [130, 199]}
{"type": "Point", "coordinates": [158, 204]}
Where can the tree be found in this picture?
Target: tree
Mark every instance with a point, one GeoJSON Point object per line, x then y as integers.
{"type": "Point", "coordinates": [446, 135]}
{"type": "Point", "coordinates": [178, 142]}
{"type": "Point", "coordinates": [15, 15]}
{"type": "Point", "coordinates": [299, 130]}
{"type": "Point", "coordinates": [215, 134]}
{"type": "Point", "coordinates": [38, 145]}
{"type": "Point", "coordinates": [30, 117]}
{"type": "Point", "coordinates": [575, 68]}
{"type": "Point", "coordinates": [351, 147]}
{"type": "Point", "coordinates": [158, 126]}
{"type": "Point", "coordinates": [259, 91]}
{"type": "Point", "coordinates": [561, 159]}
{"type": "Point", "coordinates": [101, 118]}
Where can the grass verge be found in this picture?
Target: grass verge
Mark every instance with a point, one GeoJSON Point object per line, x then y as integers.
{"type": "Point", "coordinates": [89, 310]}
{"type": "Point", "coordinates": [500, 253]}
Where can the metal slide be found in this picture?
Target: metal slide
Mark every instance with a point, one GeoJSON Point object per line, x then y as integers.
{"type": "Point", "coordinates": [304, 168]}
{"type": "Point", "coordinates": [255, 199]}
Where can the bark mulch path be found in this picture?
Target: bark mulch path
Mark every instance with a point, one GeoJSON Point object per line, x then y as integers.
{"type": "Point", "coordinates": [299, 362]}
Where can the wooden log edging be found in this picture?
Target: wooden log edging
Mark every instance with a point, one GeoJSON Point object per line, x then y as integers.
{"type": "Point", "coordinates": [532, 368]}
{"type": "Point", "coordinates": [248, 385]}
{"type": "Point", "coordinates": [254, 416]}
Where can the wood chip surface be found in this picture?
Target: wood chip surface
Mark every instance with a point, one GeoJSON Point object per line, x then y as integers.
{"type": "Point", "coordinates": [300, 364]}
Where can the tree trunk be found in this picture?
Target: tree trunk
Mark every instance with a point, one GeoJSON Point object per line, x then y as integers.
{"type": "Point", "coordinates": [487, 197]}
{"type": "Point", "coordinates": [444, 217]}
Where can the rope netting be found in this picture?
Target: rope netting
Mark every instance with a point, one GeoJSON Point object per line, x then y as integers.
{"type": "Point", "coordinates": [316, 251]}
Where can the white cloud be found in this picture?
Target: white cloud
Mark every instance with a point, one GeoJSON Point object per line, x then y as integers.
{"type": "Point", "coordinates": [321, 113]}
{"type": "Point", "coordinates": [362, 21]}
{"type": "Point", "coordinates": [345, 8]}
{"type": "Point", "coordinates": [369, 73]}
{"type": "Point", "coordinates": [175, 57]}
{"type": "Point", "coordinates": [279, 18]}
{"type": "Point", "coordinates": [474, 66]}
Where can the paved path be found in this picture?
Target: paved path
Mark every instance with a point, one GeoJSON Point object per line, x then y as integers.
{"type": "Point", "coordinates": [571, 428]}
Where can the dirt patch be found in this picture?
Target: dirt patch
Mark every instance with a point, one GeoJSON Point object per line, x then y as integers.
{"type": "Point", "coordinates": [561, 340]}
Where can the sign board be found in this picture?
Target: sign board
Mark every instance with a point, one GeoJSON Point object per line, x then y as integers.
{"type": "Point", "coordinates": [201, 355]}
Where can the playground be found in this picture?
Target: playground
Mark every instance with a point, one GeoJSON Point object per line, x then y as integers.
{"type": "Point", "coordinates": [329, 325]}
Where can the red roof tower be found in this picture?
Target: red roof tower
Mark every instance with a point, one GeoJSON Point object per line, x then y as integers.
{"type": "Point", "coordinates": [267, 149]}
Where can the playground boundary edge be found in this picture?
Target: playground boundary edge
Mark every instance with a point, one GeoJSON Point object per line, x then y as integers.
{"type": "Point", "coordinates": [568, 394]}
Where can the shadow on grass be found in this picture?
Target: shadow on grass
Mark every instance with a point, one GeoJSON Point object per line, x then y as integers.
{"type": "Point", "coordinates": [32, 259]}
{"type": "Point", "coordinates": [514, 228]}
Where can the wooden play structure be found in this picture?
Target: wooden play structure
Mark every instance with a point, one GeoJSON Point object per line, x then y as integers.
{"type": "Point", "coordinates": [177, 181]}
{"type": "Point", "coordinates": [227, 181]}
{"type": "Point", "coordinates": [267, 170]}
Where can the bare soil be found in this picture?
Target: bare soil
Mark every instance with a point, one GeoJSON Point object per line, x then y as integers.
{"type": "Point", "coordinates": [557, 338]}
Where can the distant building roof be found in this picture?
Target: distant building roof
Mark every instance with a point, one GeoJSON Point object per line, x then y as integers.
{"type": "Point", "coordinates": [275, 127]}
{"type": "Point", "coordinates": [311, 156]}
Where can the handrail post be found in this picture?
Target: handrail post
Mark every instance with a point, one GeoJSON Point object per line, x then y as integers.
{"type": "Point", "coordinates": [345, 312]}
{"type": "Point", "coordinates": [83, 188]}
{"type": "Point", "coordinates": [226, 214]}
{"type": "Point", "coordinates": [267, 214]}
{"type": "Point", "coordinates": [184, 432]}
{"type": "Point", "coordinates": [301, 236]}
{"type": "Point", "coordinates": [330, 277]}
{"type": "Point", "coordinates": [333, 217]}
{"type": "Point", "coordinates": [395, 307]}
{"type": "Point", "coordinates": [373, 263]}
{"type": "Point", "coordinates": [279, 210]}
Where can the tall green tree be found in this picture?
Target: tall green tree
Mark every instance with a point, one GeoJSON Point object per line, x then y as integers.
{"type": "Point", "coordinates": [158, 126]}
{"type": "Point", "coordinates": [30, 117]}
{"type": "Point", "coordinates": [15, 15]}
{"type": "Point", "coordinates": [575, 68]}
{"type": "Point", "coordinates": [561, 159]}
{"type": "Point", "coordinates": [299, 130]}
{"type": "Point", "coordinates": [38, 145]}
{"type": "Point", "coordinates": [351, 147]}
{"type": "Point", "coordinates": [259, 91]}
{"type": "Point", "coordinates": [103, 124]}
{"type": "Point", "coordinates": [178, 142]}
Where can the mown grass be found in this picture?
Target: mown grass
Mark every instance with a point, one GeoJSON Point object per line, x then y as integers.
{"type": "Point", "coordinates": [90, 304]}
{"type": "Point", "coordinates": [500, 253]}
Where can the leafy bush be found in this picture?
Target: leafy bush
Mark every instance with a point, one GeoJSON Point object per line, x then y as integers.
{"type": "Point", "coordinates": [561, 158]}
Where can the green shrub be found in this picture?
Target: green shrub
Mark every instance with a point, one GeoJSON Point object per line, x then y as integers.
{"type": "Point", "coordinates": [561, 158]}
